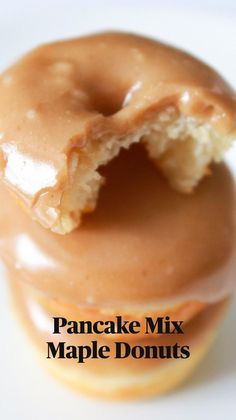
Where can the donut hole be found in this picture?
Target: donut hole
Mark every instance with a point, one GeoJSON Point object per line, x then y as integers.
{"type": "Point", "coordinates": [102, 97]}
{"type": "Point", "coordinates": [105, 93]}
{"type": "Point", "coordinates": [106, 102]}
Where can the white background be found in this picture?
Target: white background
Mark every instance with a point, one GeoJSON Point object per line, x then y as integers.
{"type": "Point", "coordinates": [206, 28]}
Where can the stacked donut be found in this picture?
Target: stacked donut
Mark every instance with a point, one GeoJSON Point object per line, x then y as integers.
{"type": "Point", "coordinates": [149, 119]}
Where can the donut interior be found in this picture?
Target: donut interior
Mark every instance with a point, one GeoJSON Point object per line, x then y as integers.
{"type": "Point", "coordinates": [181, 146]}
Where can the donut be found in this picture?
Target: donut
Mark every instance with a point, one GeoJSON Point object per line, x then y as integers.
{"type": "Point", "coordinates": [68, 108]}
{"type": "Point", "coordinates": [41, 304]}
{"type": "Point", "coordinates": [146, 247]}
{"type": "Point", "coordinates": [120, 379]}
{"type": "Point", "coordinates": [146, 251]}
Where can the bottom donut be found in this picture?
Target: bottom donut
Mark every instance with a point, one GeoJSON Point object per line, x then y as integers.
{"type": "Point", "coordinates": [145, 373]}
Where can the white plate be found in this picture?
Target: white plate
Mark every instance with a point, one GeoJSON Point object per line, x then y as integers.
{"type": "Point", "coordinates": [26, 391]}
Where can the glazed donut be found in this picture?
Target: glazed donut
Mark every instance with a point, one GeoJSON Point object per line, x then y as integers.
{"type": "Point", "coordinates": [117, 378]}
{"type": "Point", "coordinates": [146, 251]}
{"type": "Point", "coordinates": [40, 304]}
{"type": "Point", "coordinates": [67, 108]}
{"type": "Point", "coordinates": [145, 248]}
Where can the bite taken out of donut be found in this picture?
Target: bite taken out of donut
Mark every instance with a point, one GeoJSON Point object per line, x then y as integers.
{"type": "Point", "coordinates": [67, 108]}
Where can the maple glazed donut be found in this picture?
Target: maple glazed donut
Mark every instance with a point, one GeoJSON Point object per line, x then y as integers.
{"type": "Point", "coordinates": [146, 251]}
{"type": "Point", "coordinates": [67, 108]}
{"type": "Point", "coordinates": [145, 248]}
{"type": "Point", "coordinates": [127, 378]}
